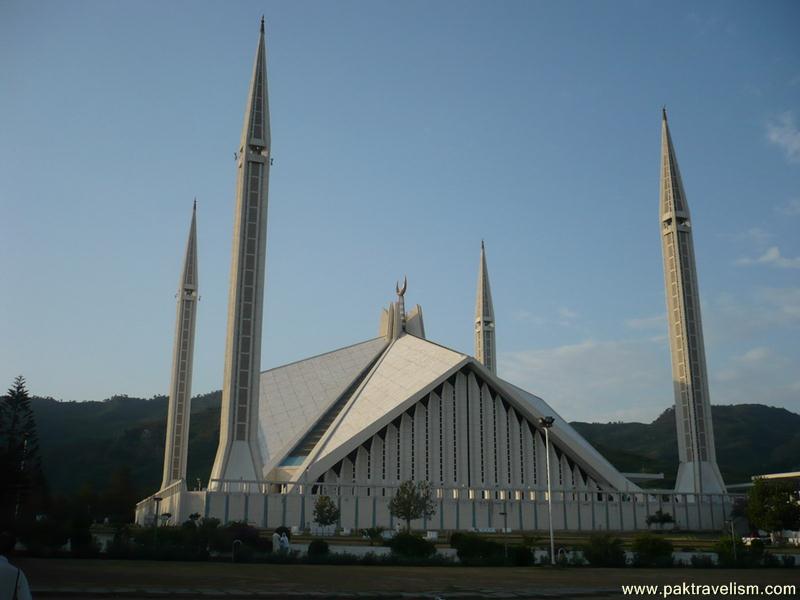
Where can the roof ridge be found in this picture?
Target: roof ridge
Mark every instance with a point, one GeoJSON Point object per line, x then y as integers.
{"type": "Point", "coordinates": [321, 354]}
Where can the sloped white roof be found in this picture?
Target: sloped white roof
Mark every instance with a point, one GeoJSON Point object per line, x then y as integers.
{"type": "Point", "coordinates": [565, 435]}
{"type": "Point", "coordinates": [409, 366]}
{"type": "Point", "coordinates": [292, 397]}
{"type": "Point", "coordinates": [406, 371]}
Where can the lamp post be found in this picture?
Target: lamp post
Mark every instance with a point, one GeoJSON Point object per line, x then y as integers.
{"type": "Point", "coordinates": [157, 500]}
{"type": "Point", "coordinates": [731, 522]}
{"type": "Point", "coordinates": [546, 423]}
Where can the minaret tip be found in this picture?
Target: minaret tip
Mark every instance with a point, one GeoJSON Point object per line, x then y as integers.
{"type": "Point", "coordinates": [194, 206]}
{"type": "Point", "coordinates": [481, 244]}
{"type": "Point", "coordinates": [401, 291]}
{"type": "Point", "coordinates": [262, 23]}
{"type": "Point", "coordinates": [664, 112]}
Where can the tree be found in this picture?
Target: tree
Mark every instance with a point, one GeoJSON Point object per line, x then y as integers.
{"type": "Point", "coordinates": [659, 518]}
{"type": "Point", "coordinates": [412, 501]}
{"type": "Point", "coordinates": [772, 505]}
{"type": "Point", "coordinates": [120, 497]}
{"type": "Point", "coordinates": [20, 468]}
{"type": "Point", "coordinates": [325, 511]}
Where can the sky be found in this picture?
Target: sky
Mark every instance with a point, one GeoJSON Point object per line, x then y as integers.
{"type": "Point", "coordinates": [403, 134]}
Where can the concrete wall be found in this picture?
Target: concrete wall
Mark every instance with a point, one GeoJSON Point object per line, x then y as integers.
{"type": "Point", "coordinates": [456, 509]}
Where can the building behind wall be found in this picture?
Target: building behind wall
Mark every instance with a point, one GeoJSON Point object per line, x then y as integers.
{"type": "Point", "coordinates": [355, 422]}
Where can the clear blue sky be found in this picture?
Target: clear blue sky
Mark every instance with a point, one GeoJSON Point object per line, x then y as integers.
{"type": "Point", "coordinates": [403, 133]}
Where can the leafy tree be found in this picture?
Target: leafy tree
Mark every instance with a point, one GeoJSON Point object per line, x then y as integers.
{"type": "Point", "coordinates": [412, 501]}
{"type": "Point", "coordinates": [325, 511]}
{"type": "Point", "coordinates": [772, 505]}
{"type": "Point", "coordinates": [20, 467]}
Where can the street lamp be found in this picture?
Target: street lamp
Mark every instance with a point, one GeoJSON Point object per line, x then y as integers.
{"type": "Point", "coordinates": [157, 500]}
{"type": "Point", "coordinates": [546, 423]}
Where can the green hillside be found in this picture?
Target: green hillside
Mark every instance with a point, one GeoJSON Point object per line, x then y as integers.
{"type": "Point", "coordinates": [750, 438]}
{"type": "Point", "coordinates": [82, 443]}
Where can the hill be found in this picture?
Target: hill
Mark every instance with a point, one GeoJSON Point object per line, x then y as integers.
{"type": "Point", "coordinates": [83, 443]}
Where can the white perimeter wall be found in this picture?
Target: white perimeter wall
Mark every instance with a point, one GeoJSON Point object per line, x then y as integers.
{"type": "Point", "coordinates": [456, 509]}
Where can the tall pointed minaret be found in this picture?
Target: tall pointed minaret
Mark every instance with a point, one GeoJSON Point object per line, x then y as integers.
{"type": "Point", "coordinates": [180, 389]}
{"type": "Point", "coordinates": [485, 349]}
{"type": "Point", "coordinates": [698, 471]}
{"type": "Point", "coordinates": [238, 456]}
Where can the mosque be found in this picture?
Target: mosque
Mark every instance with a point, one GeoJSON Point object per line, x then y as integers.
{"type": "Point", "coordinates": [355, 422]}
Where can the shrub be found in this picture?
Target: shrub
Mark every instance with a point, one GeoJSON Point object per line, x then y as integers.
{"type": "Point", "coordinates": [770, 560]}
{"type": "Point", "coordinates": [520, 556]}
{"type": "Point", "coordinates": [788, 560]}
{"type": "Point", "coordinates": [242, 553]}
{"type": "Point", "coordinates": [44, 537]}
{"type": "Point", "coordinates": [411, 546]}
{"type": "Point", "coordinates": [604, 550]}
{"type": "Point", "coordinates": [737, 555]}
{"type": "Point", "coordinates": [318, 548]}
{"type": "Point", "coordinates": [374, 534]}
{"type": "Point", "coordinates": [659, 518]}
{"type": "Point", "coordinates": [702, 561]}
{"type": "Point", "coordinates": [651, 551]}
{"type": "Point", "coordinates": [473, 549]}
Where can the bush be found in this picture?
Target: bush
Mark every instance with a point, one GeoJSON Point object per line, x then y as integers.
{"type": "Point", "coordinates": [411, 546]}
{"type": "Point", "coordinates": [318, 548]}
{"type": "Point", "coordinates": [374, 534]}
{"type": "Point", "coordinates": [659, 518]}
{"type": "Point", "coordinates": [702, 561]}
{"type": "Point", "coordinates": [742, 557]}
{"type": "Point", "coordinates": [44, 537]}
{"type": "Point", "coordinates": [520, 556]}
{"type": "Point", "coordinates": [242, 553]}
{"type": "Point", "coordinates": [604, 550]}
{"type": "Point", "coordinates": [473, 549]}
{"type": "Point", "coordinates": [770, 560]}
{"type": "Point", "coordinates": [651, 551]}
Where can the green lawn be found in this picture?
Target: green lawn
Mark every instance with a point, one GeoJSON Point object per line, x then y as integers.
{"type": "Point", "coordinates": [76, 574]}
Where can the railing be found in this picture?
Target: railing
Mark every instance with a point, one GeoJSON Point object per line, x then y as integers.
{"type": "Point", "coordinates": [534, 494]}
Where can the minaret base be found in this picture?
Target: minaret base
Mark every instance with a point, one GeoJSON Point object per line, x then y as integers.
{"type": "Point", "coordinates": [240, 466]}
{"type": "Point", "coordinates": [704, 474]}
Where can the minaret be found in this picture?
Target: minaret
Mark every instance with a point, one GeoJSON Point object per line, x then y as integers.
{"type": "Point", "coordinates": [180, 389]}
{"type": "Point", "coordinates": [485, 349]}
{"type": "Point", "coordinates": [238, 456]}
{"type": "Point", "coordinates": [698, 471]}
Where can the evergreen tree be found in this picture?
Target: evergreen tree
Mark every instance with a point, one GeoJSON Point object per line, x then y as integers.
{"type": "Point", "coordinates": [20, 467]}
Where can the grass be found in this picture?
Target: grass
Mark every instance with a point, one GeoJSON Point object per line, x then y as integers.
{"type": "Point", "coordinates": [79, 574]}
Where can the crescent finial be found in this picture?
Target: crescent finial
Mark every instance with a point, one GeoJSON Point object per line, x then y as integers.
{"type": "Point", "coordinates": [401, 291]}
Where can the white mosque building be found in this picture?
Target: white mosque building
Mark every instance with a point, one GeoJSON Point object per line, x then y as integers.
{"type": "Point", "coordinates": [357, 421]}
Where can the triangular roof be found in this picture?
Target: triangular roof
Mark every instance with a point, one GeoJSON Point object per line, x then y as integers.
{"type": "Point", "coordinates": [294, 396]}
{"type": "Point", "coordinates": [407, 371]}
{"type": "Point", "coordinates": [409, 367]}
{"type": "Point", "coordinates": [568, 438]}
